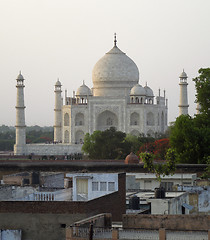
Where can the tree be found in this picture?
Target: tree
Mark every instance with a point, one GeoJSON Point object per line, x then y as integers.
{"type": "Point", "coordinates": [202, 84]}
{"type": "Point", "coordinates": [160, 169]}
{"type": "Point", "coordinates": [158, 148]}
{"type": "Point", "coordinates": [108, 144]}
{"type": "Point", "coordinates": [133, 141]}
{"type": "Point", "coordinates": [206, 174]}
{"type": "Point", "coordinates": [183, 139]}
{"type": "Point", "coordinates": [190, 139]}
{"type": "Point", "coordinates": [34, 134]}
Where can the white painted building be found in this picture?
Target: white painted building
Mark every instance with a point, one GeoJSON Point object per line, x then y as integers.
{"type": "Point", "coordinates": [147, 181]}
{"type": "Point", "coordinates": [171, 205]}
{"type": "Point", "coordinates": [173, 202]}
{"type": "Point", "coordinates": [87, 186]}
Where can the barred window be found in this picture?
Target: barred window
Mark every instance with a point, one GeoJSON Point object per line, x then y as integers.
{"type": "Point", "coordinates": [111, 186]}
{"type": "Point", "coordinates": [102, 186]}
{"type": "Point", "coordinates": [94, 186]}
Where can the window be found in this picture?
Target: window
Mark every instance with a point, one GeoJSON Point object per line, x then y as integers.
{"type": "Point", "coordinates": [167, 185]}
{"type": "Point", "coordinates": [94, 186]}
{"type": "Point", "coordinates": [109, 122]}
{"type": "Point", "coordinates": [187, 183]}
{"type": "Point", "coordinates": [147, 184]}
{"type": "Point", "coordinates": [102, 186]}
{"type": "Point", "coordinates": [111, 186]}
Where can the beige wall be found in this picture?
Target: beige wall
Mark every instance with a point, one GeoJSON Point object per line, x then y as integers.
{"type": "Point", "coordinates": [39, 226]}
{"type": "Point", "coordinates": [169, 222]}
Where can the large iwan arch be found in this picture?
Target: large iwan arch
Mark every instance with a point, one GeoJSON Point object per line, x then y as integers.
{"type": "Point", "coordinates": [106, 120]}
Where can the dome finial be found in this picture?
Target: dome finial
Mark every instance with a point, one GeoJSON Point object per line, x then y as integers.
{"type": "Point", "coordinates": [115, 39]}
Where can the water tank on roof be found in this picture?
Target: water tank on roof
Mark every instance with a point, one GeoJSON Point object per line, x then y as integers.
{"type": "Point", "coordinates": [160, 192]}
{"type": "Point", "coordinates": [134, 203]}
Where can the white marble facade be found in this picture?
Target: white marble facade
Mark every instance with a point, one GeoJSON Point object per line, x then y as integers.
{"type": "Point", "coordinates": [116, 100]}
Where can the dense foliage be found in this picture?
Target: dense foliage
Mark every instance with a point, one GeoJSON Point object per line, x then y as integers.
{"type": "Point", "coordinates": [113, 144]}
{"type": "Point", "coordinates": [108, 144]}
{"type": "Point", "coordinates": [190, 138]}
{"type": "Point", "coordinates": [34, 134]}
{"type": "Point", "coordinates": [202, 85]}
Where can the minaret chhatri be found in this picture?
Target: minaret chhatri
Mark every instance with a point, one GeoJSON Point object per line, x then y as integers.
{"type": "Point", "coordinates": [183, 101]}
{"type": "Point", "coordinates": [58, 114]}
{"type": "Point", "coordinates": [19, 148]}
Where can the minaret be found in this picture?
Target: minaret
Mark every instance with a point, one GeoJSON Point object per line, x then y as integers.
{"type": "Point", "coordinates": [19, 148]}
{"type": "Point", "coordinates": [183, 101]}
{"type": "Point", "coordinates": [58, 114]}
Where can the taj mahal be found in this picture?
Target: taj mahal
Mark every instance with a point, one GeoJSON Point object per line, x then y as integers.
{"type": "Point", "coordinates": [117, 99]}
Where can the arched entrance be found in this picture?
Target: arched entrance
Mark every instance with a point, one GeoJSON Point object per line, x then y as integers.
{"type": "Point", "coordinates": [106, 120]}
{"type": "Point", "coordinates": [134, 119]}
{"type": "Point", "coordinates": [66, 136]}
{"type": "Point", "coordinates": [79, 137]}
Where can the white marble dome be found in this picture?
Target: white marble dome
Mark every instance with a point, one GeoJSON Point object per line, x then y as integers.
{"type": "Point", "coordinates": [149, 92]}
{"type": "Point", "coordinates": [183, 75]}
{"type": "Point", "coordinates": [114, 74]}
{"type": "Point", "coordinates": [58, 83]}
{"type": "Point", "coordinates": [83, 90]}
{"type": "Point", "coordinates": [20, 76]}
{"type": "Point", "coordinates": [138, 90]}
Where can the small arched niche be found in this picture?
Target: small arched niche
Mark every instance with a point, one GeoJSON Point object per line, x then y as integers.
{"type": "Point", "coordinates": [150, 119]}
{"type": "Point", "coordinates": [134, 119]}
{"type": "Point", "coordinates": [79, 119]}
{"type": "Point", "coordinates": [66, 119]}
{"type": "Point", "coordinates": [150, 133]}
{"type": "Point", "coordinates": [66, 136]}
{"type": "Point", "coordinates": [79, 137]}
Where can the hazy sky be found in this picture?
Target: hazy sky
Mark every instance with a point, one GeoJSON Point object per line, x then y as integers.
{"type": "Point", "coordinates": [47, 39]}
